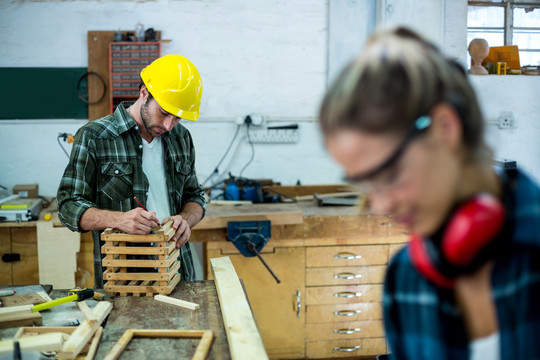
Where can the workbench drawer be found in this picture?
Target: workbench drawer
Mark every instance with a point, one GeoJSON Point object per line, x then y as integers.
{"type": "Point", "coordinates": [346, 255]}
{"type": "Point", "coordinates": [345, 348]}
{"type": "Point", "coordinates": [349, 275]}
{"type": "Point", "coordinates": [322, 295]}
{"type": "Point", "coordinates": [343, 312]}
{"type": "Point", "coordinates": [345, 330]}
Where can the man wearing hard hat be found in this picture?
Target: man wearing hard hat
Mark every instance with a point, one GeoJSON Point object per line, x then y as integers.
{"type": "Point", "coordinates": [139, 154]}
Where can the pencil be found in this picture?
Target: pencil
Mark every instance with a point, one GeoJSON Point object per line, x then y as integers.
{"type": "Point", "coordinates": [138, 202]}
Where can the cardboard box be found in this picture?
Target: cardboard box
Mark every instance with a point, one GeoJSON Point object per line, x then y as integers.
{"type": "Point", "coordinates": [27, 190]}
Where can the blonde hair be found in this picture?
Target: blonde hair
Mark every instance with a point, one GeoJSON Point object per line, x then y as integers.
{"type": "Point", "coordinates": [398, 77]}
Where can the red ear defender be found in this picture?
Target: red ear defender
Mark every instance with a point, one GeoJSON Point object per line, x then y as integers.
{"type": "Point", "coordinates": [466, 236]}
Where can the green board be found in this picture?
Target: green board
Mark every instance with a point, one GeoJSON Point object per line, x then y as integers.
{"type": "Point", "coordinates": [42, 93]}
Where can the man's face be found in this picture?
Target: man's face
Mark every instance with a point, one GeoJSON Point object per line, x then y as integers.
{"type": "Point", "coordinates": [156, 120]}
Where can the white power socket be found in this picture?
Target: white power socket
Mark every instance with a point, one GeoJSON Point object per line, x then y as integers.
{"type": "Point", "coordinates": [256, 119]}
{"type": "Point", "coordinates": [506, 120]}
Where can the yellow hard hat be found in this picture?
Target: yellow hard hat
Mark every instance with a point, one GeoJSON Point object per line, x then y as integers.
{"type": "Point", "coordinates": [176, 85]}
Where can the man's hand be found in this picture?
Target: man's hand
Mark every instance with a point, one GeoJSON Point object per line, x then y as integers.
{"type": "Point", "coordinates": [137, 221]}
{"type": "Point", "coordinates": [183, 230]}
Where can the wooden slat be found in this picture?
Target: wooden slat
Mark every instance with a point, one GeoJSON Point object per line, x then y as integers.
{"type": "Point", "coordinates": [164, 290]}
{"type": "Point", "coordinates": [242, 333]}
{"type": "Point", "coordinates": [155, 238]}
{"type": "Point", "coordinates": [107, 275]}
{"type": "Point", "coordinates": [142, 263]}
{"type": "Point", "coordinates": [84, 332]}
{"type": "Point", "coordinates": [338, 255]}
{"type": "Point", "coordinates": [334, 275]}
{"type": "Point", "coordinates": [351, 312]}
{"type": "Point", "coordinates": [177, 302]}
{"type": "Point", "coordinates": [44, 342]}
{"type": "Point", "coordinates": [139, 250]}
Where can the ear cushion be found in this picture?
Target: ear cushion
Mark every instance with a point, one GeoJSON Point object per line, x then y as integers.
{"type": "Point", "coordinates": [464, 243]}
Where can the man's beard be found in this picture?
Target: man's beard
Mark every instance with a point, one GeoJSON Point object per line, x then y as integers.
{"type": "Point", "coordinates": [145, 117]}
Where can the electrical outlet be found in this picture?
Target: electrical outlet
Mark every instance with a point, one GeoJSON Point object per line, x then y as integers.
{"type": "Point", "coordinates": [274, 136]}
{"type": "Point", "coordinates": [506, 120]}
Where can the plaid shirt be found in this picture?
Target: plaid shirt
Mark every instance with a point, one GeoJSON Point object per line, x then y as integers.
{"type": "Point", "coordinates": [424, 322]}
{"type": "Point", "coordinates": [105, 171]}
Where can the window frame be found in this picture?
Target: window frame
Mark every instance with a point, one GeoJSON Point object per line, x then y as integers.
{"type": "Point", "coordinates": [508, 27]}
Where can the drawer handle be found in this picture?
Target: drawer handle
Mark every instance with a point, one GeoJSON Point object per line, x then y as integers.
{"type": "Point", "coordinates": [347, 312]}
{"type": "Point", "coordinates": [346, 331]}
{"type": "Point", "coordinates": [347, 294]}
{"type": "Point", "coordinates": [347, 276]}
{"type": "Point", "coordinates": [347, 349]}
{"type": "Point", "coordinates": [347, 256]}
{"type": "Point", "coordinates": [298, 303]}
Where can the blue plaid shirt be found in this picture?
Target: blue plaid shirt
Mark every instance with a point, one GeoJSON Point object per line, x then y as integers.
{"type": "Point", "coordinates": [424, 322]}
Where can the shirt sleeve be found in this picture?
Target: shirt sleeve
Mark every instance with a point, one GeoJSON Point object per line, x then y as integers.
{"type": "Point", "coordinates": [76, 190]}
{"type": "Point", "coordinates": [193, 191]}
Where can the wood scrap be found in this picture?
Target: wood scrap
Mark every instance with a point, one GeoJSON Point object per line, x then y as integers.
{"type": "Point", "coordinates": [242, 334]}
{"type": "Point", "coordinates": [25, 299]}
{"type": "Point", "coordinates": [201, 352]}
{"type": "Point", "coordinates": [44, 342]}
{"type": "Point", "coordinates": [177, 302]}
{"type": "Point", "coordinates": [73, 346]}
{"type": "Point", "coordinates": [88, 314]}
{"type": "Point", "coordinates": [21, 315]}
{"type": "Point", "coordinates": [94, 345]}
{"type": "Point", "coordinates": [330, 195]}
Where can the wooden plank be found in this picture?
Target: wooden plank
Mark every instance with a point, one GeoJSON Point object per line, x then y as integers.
{"type": "Point", "coordinates": [6, 273]}
{"type": "Point", "coordinates": [24, 242]}
{"type": "Point", "coordinates": [329, 195]}
{"type": "Point", "coordinates": [139, 250]}
{"type": "Point", "coordinates": [242, 333]}
{"type": "Point", "coordinates": [93, 346]}
{"type": "Point", "coordinates": [300, 190]}
{"type": "Point", "coordinates": [98, 61]}
{"type": "Point", "coordinates": [154, 289]}
{"type": "Point", "coordinates": [177, 302]}
{"type": "Point", "coordinates": [44, 342]}
{"type": "Point", "coordinates": [155, 238]}
{"type": "Point", "coordinates": [107, 275]}
{"type": "Point", "coordinates": [217, 217]}
{"type": "Point", "coordinates": [85, 262]}
{"type": "Point", "coordinates": [84, 332]}
{"type": "Point", "coordinates": [88, 314]}
{"type": "Point", "coordinates": [57, 249]}
{"type": "Point", "coordinates": [25, 299]}
{"type": "Point", "coordinates": [142, 263]}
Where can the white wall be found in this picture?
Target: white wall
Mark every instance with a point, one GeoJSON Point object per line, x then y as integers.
{"type": "Point", "coordinates": [267, 57]}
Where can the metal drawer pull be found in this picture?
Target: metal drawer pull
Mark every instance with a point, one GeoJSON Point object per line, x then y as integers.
{"type": "Point", "coordinates": [346, 331]}
{"type": "Point", "coordinates": [347, 294]}
{"type": "Point", "coordinates": [347, 256]}
{"type": "Point", "coordinates": [347, 349]}
{"type": "Point", "coordinates": [347, 276]}
{"type": "Point", "coordinates": [298, 303]}
{"type": "Point", "coordinates": [347, 312]}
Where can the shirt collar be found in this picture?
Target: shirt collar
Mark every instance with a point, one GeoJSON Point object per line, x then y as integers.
{"type": "Point", "coordinates": [125, 121]}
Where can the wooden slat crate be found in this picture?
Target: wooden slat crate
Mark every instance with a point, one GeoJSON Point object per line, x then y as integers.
{"type": "Point", "coordinates": [159, 246]}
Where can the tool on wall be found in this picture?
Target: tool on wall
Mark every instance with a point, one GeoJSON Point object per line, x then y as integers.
{"type": "Point", "coordinates": [250, 237]}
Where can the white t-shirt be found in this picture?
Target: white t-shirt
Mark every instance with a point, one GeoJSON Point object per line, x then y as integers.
{"type": "Point", "coordinates": [154, 169]}
{"type": "Point", "coordinates": [486, 348]}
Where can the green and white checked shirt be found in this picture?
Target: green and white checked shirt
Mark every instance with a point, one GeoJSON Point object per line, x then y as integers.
{"type": "Point", "coordinates": [105, 171]}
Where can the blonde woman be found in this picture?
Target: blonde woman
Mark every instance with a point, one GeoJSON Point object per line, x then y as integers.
{"type": "Point", "coordinates": [404, 123]}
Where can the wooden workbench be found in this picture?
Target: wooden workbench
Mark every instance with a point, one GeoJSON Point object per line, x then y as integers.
{"type": "Point", "coordinates": [331, 262]}
{"type": "Point", "coordinates": [147, 313]}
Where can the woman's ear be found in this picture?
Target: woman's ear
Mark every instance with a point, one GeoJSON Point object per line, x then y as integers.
{"type": "Point", "coordinates": [447, 126]}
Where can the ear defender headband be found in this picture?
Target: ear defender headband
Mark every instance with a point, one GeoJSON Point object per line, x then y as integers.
{"type": "Point", "coordinates": [465, 243]}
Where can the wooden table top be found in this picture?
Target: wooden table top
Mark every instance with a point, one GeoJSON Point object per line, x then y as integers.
{"type": "Point", "coordinates": [146, 313]}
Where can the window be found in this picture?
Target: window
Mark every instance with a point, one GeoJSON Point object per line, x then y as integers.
{"type": "Point", "coordinates": [507, 22]}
